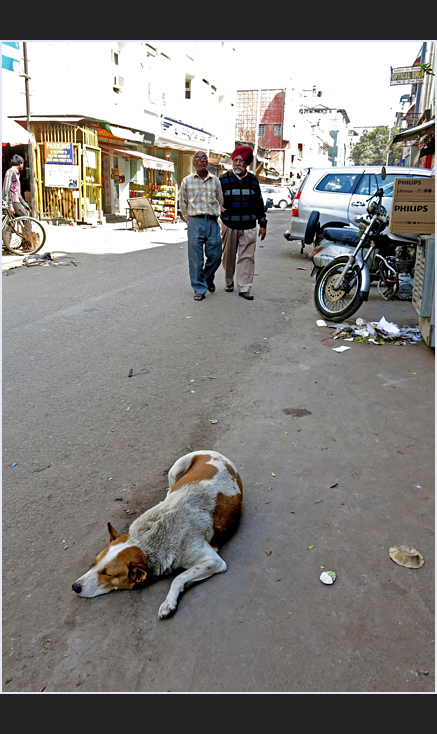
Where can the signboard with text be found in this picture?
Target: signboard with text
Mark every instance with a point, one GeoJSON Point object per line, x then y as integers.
{"type": "Point", "coordinates": [61, 153]}
{"type": "Point", "coordinates": [406, 75]}
{"type": "Point", "coordinates": [62, 176]}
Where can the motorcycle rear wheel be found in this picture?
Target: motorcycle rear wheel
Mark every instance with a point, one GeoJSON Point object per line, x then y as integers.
{"type": "Point", "coordinates": [337, 305]}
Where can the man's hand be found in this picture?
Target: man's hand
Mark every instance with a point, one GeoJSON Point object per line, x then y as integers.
{"type": "Point", "coordinates": [262, 232]}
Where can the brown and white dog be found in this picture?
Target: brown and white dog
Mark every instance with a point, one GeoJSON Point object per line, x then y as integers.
{"type": "Point", "coordinates": [201, 509]}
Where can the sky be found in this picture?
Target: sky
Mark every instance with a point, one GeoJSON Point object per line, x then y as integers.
{"type": "Point", "coordinates": [352, 75]}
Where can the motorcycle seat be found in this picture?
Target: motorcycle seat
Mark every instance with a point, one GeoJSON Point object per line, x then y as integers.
{"type": "Point", "coordinates": [341, 234]}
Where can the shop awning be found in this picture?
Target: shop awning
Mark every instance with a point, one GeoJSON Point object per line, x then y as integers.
{"type": "Point", "coordinates": [412, 132]}
{"type": "Point", "coordinates": [139, 136]}
{"type": "Point", "coordinates": [149, 161]}
{"type": "Point", "coordinates": [15, 134]}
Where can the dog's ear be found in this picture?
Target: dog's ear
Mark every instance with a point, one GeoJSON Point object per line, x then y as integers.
{"type": "Point", "coordinates": [137, 566]}
{"type": "Point", "coordinates": [137, 574]}
{"type": "Point", "coordinates": [112, 532]}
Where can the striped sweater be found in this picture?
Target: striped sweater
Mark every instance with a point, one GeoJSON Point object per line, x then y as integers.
{"type": "Point", "coordinates": [243, 201]}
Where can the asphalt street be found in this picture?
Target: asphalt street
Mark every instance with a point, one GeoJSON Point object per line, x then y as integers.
{"type": "Point", "coordinates": [111, 371]}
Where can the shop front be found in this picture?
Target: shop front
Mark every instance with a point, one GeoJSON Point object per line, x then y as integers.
{"type": "Point", "coordinates": [67, 166]}
{"type": "Point", "coordinates": [128, 174]}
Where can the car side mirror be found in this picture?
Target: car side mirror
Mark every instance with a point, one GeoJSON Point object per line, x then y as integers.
{"type": "Point", "coordinates": [383, 173]}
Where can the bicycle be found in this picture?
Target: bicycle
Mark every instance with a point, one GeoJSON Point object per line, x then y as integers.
{"type": "Point", "coordinates": [21, 235]}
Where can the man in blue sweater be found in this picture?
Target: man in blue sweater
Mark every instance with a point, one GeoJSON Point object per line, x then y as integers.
{"type": "Point", "coordinates": [243, 206]}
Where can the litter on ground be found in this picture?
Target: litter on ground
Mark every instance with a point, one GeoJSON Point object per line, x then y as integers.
{"type": "Point", "coordinates": [407, 556]}
{"type": "Point", "coordinates": [374, 332]}
{"type": "Point", "coordinates": [328, 577]}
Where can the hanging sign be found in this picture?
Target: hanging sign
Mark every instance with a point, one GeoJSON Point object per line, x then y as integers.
{"type": "Point", "coordinates": [61, 176]}
{"type": "Point", "coordinates": [406, 75]}
{"type": "Point", "coordinates": [116, 176]}
{"type": "Point", "coordinates": [61, 153]}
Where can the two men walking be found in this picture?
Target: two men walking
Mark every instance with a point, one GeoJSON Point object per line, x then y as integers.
{"type": "Point", "coordinates": [236, 198]}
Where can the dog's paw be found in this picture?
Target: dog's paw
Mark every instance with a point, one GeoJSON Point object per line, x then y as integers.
{"type": "Point", "coordinates": [166, 609]}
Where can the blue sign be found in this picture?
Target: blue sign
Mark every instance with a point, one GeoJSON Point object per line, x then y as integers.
{"type": "Point", "coordinates": [8, 63]}
{"type": "Point", "coordinates": [58, 153]}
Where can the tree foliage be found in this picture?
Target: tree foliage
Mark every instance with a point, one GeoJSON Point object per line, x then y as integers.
{"type": "Point", "coordinates": [371, 150]}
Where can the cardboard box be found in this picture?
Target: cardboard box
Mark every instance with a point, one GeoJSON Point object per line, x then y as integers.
{"type": "Point", "coordinates": [413, 206]}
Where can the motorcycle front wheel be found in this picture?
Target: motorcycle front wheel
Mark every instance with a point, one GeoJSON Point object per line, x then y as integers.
{"type": "Point", "coordinates": [338, 304]}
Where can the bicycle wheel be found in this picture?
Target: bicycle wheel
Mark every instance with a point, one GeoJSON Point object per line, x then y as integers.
{"type": "Point", "coordinates": [24, 236]}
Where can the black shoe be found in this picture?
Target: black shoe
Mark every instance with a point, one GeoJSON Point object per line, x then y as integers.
{"type": "Point", "coordinates": [211, 287]}
{"type": "Point", "coordinates": [247, 296]}
{"type": "Point", "coordinates": [229, 288]}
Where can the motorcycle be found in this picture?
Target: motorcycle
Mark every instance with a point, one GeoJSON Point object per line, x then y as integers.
{"type": "Point", "coordinates": [343, 283]}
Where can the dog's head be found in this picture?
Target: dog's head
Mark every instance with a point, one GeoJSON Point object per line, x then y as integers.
{"type": "Point", "coordinates": [121, 565]}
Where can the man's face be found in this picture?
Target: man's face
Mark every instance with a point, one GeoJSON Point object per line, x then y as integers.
{"type": "Point", "coordinates": [200, 162]}
{"type": "Point", "coordinates": [239, 165]}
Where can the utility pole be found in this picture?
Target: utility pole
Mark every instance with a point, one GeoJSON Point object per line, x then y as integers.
{"type": "Point", "coordinates": [258, 112]}
{"type": "Point", "coordinates": [29, 130]}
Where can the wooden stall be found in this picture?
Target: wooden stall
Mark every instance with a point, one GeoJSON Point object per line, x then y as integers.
{"type": "Point", "coordinates": [67, 161]}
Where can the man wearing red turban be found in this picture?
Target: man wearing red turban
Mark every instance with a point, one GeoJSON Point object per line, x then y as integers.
{"type": "Point", "coordinates": [243, 206]}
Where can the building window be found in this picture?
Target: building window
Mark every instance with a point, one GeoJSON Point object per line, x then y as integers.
{"type": "Point", "coordinates": [277, 130]}
{"type": "Point", "coordinates": [261, 130]}
{"type": "Point", "coordinates": [115, 57]}
{"type": "Point", "coordinates": [187, 88]}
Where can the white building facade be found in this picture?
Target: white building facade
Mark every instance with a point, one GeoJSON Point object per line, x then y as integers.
{"type": "Point", "coordinates": [151, 105]}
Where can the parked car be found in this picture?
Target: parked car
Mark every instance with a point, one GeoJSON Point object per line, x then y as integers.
{"type": "Point", "coordinates": [340, 194]}
{"type": "Point", "coordinates": [279, 194]}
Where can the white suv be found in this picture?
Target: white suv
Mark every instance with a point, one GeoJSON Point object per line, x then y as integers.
{"type": "Point", "coordinates": [340, 194]}
{"type": "Point", "coordinates": [280, 195]}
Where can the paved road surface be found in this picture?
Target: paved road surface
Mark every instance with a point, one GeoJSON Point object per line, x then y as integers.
{"type": "Point", "coordinates": [336, 451]}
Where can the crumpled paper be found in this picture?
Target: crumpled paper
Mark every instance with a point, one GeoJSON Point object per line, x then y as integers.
{"type": "Point", "coordinates": [375, 332]}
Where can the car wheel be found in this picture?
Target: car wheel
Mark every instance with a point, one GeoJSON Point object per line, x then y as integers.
{"type": "Point", "coordinates": [311, 228]}
{"type": "Point", "coordinates": [283, 204]}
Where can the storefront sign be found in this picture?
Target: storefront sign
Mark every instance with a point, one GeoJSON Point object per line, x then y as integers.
{"type": "Point", "coordinates": [59, 175]}
{"type": "Point", "coordinates": [406, 75]}
{"type": "Point", "coordinates": [60, 153]}
{"type": "Point", "coordinates": [107, 138]}
{"type": "Point", "coordinates": [182, 132]}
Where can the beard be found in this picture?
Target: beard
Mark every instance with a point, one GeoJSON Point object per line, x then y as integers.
{"type": "Point", "coordinates": [239, 170]}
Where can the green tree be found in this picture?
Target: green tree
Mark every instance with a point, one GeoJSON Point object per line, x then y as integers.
{"type": "Point", "coordinates": [371, 150]}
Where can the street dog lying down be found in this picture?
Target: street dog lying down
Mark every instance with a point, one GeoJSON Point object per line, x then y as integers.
{"type": "Point", "coordinates": [201, 510]}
